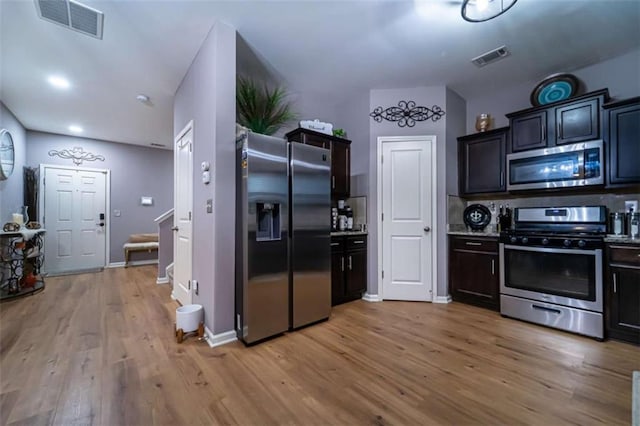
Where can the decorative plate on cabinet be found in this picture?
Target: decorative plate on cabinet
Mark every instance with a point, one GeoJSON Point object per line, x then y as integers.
{"type": "Point", "coordinates": [555, 88]}
{"type": "Point", "coordinates": [476, 217]}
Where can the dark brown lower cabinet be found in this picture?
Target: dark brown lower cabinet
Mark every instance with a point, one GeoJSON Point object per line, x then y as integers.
{"type": "Point", "coordinates": [348, 268]}
{"type": "Point", "coordinates": [473, 271]}
{"type": "Point", "coordinates": [622, 310]}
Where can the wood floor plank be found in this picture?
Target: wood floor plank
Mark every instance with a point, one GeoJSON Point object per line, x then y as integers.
{"type": "Point", "coordinates": [100, 349]}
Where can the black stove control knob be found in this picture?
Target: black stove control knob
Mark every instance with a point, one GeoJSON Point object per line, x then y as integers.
{"type": "Point", "coordinates": [582, 243]}
{"type": "Point", "coordinates": [513, 240]}
{"type": "Point", "coordinates": [525, 240]}
{"type": "Point", "coordinates": [545, 241]}
{"type": "Point", "coordinates": [566, 243]}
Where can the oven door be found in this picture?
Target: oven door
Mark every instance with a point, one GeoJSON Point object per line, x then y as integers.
{"type": "Point", "coordinates": [565, 277]}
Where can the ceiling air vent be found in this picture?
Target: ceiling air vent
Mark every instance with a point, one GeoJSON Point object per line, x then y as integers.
{"type": "Point", "coordinates": [73, 15]}
{"type": "Point", "coordinates": [491, 56]}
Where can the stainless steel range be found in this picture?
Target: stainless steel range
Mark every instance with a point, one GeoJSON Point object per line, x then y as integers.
{"type": "Point", "coordinates": [551, 268]}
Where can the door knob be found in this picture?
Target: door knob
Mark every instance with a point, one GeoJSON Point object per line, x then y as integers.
{"type": "Point", "coordinates": [175, 228]}
{"type": "Point", "coordinates": [427, 229]}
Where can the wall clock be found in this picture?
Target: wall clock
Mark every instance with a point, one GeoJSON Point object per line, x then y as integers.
{"type": "Point", "coordinates": [7, 156]}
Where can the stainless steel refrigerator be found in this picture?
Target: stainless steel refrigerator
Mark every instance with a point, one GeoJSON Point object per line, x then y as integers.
{"type": "Point", "coordinates": [283, 258]}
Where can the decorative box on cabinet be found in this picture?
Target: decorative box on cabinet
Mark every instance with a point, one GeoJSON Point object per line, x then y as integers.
{"type": "Point", "coordinates": [481, 162]}
{"type": "Point", "coordinates": [622, 311]}
{"type": "Point", "coordinates": [570, 121]}
{"type": "Point", "coordinates": [348, 268]}
{"type": "Point", "coordinates": [473, 271]}
{"type": "Point", "coordinates": [622, 124]}
{"type": "Point", "coordinates": [340, 157]}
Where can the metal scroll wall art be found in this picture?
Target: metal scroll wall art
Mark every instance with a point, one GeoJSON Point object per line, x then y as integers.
{"type": "Point", "coordinates": [77, 154]}
{"type": "Point", "coordinates": [407, 113]}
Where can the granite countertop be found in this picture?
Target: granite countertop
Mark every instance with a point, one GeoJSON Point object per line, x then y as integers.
{"type": "Point", "coordinates": [342, 233]}
{"type": "Point", "coordinates": [459, 229]}
{"type": "Point", "coordinates": [621, 239]}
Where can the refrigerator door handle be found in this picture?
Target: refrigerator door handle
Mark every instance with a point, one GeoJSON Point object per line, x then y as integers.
{"type": "Point", "coordinates": [350, 263]}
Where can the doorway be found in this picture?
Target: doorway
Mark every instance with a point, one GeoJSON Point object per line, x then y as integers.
{"type": "Point", "coordinates": [74, 206]}
{"type": "Point", "coordinates": [407, 224]}
{"type": "Point", "coordinates": [182, 218]}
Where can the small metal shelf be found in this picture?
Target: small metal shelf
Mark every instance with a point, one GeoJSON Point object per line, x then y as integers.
{"type": "Point", "coordinates": [21, 259]}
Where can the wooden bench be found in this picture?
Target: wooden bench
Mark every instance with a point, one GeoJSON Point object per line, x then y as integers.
{"type": "Point", "coordinates": [139, 242]}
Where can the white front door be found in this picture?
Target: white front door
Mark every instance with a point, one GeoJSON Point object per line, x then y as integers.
{"type": "Point", "coordinates": [407, 197]}
{"type": "Point", "coordinates": [183, 200]}
{"type": "Point", "coordinates": [75, 203]}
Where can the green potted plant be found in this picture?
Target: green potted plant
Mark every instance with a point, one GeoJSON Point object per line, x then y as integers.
{"type": "Point", "coordinates": [261, 109]}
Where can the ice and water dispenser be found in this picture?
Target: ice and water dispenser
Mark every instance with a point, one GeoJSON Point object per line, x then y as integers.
{"type": "Point", "coordinates": [268, 215]}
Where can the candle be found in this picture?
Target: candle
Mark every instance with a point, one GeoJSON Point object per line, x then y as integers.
{"type": "Point", "coordinates": [18, 218]}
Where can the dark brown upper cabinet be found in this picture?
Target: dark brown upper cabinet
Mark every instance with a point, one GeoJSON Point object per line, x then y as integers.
{"type": "Point", "coordinates": [622, 121]}
{"type": "Point", "coordinates": [340, 157]}
{"type": "Point", "coordinates": [481, 162]}
{"type": "Point", "coordinates": [570, 121]}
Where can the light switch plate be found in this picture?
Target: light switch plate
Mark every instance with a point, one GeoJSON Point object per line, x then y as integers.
{"type": "Point", "coordinates": [116, 213]}
{"type": "Point", "coordinates": [210, 205]}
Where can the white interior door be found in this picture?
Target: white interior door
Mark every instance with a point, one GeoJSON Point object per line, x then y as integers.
{"type": "Point", "coordinates": [183, 200]}
{"type": "Point", "coordinates": [75, 203]}
{"type": "Point", "coordinates": [407, 260]}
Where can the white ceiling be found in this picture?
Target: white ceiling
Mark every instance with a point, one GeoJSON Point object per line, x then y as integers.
{"type": "Point", "coordinates": [332, 47]}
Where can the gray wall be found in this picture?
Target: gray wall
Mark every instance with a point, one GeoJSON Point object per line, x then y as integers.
{"type": "Point", "coordinates": [135, 171]}
{"type": "Point", "coordinates": [11, 190]}
{"type": "Point", "coordinates": [620, 75]}
{"type": "Point", "coordinates": [426, 96]}
{"type": "Point", "coordinates": [456, 119]}
{"type": "Point", "coordinates": [207, 96]}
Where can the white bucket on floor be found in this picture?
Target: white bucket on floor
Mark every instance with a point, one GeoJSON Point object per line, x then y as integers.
{"type": "Point", "coordinates": [188, 317]}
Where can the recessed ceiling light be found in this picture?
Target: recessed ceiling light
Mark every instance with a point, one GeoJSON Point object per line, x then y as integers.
{"type": "Point", "coordinates": [59, 82]}
{"type": "Point", "coordinates": [142, 98]}
{"type": "Point", "coordinates": [75, 129]}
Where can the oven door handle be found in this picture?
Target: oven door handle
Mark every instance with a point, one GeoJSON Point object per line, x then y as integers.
{"type": "Point", "coordinates": [552, 250]}
{"type": "Point", "coordinates": [544, 308]}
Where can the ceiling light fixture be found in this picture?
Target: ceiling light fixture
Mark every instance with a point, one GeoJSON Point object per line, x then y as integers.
{"type": "Point", "coordinates": [143, 98]}
{"type": "Point", "coordinates": [483, 10]}
{"type": "Point", "coordinates": [59, 82]}
{"type": "Point", "coordinates": [75, 129]}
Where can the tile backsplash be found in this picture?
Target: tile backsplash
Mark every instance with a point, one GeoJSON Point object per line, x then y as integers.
{"type": "Point", "coordinates": [614, 202]}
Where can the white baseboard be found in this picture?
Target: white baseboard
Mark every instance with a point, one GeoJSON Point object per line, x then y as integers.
{"type": "Point", "coordinates": [133, 263]}
{"type": "Point", "coordinates": [219, 339]}
{"type": "Point", "coordinates": [442, 299]}
{"type": "Point", "coordinates": [371, 297]}
{"type": "Point", "coordinates": [162, 280]}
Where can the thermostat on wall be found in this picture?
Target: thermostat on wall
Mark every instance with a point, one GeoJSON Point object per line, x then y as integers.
{"type": "Point", "coordinates": [146, 201]}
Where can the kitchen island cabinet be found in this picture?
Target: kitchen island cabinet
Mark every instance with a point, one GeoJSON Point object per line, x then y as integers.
{"type": "Point", "coordinates": [340, 157]}
{"type": "Point", "coordinates": [622, 121]}
{"type": "Point", "coordinates": [348, 268]}
{"type": "Point", "coordinates": [473, 271]}
{"type": "Point", "coordinates": [622, 289]}
{"type": "Point", "coordinates": [574, 120]}
{"type": "Point", "coordinates": [482, 162]}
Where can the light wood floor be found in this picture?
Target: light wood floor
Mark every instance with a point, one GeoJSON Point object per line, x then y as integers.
{"type": "Point", "coordinates": [100, 349]}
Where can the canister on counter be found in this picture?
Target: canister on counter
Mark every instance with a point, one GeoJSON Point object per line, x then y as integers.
{"type": "Point", "coordinates": [618, 223]}
{"type": "Point", "coordinates": [634, 225]}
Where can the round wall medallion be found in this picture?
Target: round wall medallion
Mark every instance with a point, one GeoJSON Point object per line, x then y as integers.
{"type": "Point", "coordinates": [476, 217]}
{"type": "Point", "coordinates": [556, 87]}
{"type": "Point", "coordinates": [7, 156]}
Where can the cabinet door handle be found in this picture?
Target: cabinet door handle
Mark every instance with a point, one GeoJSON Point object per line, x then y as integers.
{"type": "Point", "coordinates": [342, 263]}
{"type": "Point", "coordinates": [544, 134]}
{"type": "Point", "coordinates": [501, 178]}
{"type": "Point", "coordinates": [471, 243]}
{"type": "Point", "coordinates": [559, 134]}
{"type": "Point", "coordinates": [615, 283]}
{"type": "Point", "coordinates": [350, 263]}
{"type": "Point", "coordinates": [333, 182]}
{"type": "Point", "coordinates": [335, 244]}
{"type": "Point", "coordinates": [493, 267]}
{"type": "Point", "coordinates": [358, 242]}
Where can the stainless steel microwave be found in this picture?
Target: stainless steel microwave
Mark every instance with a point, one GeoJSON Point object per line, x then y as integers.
{"type": "Point", "coordinates": [579, 164]}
